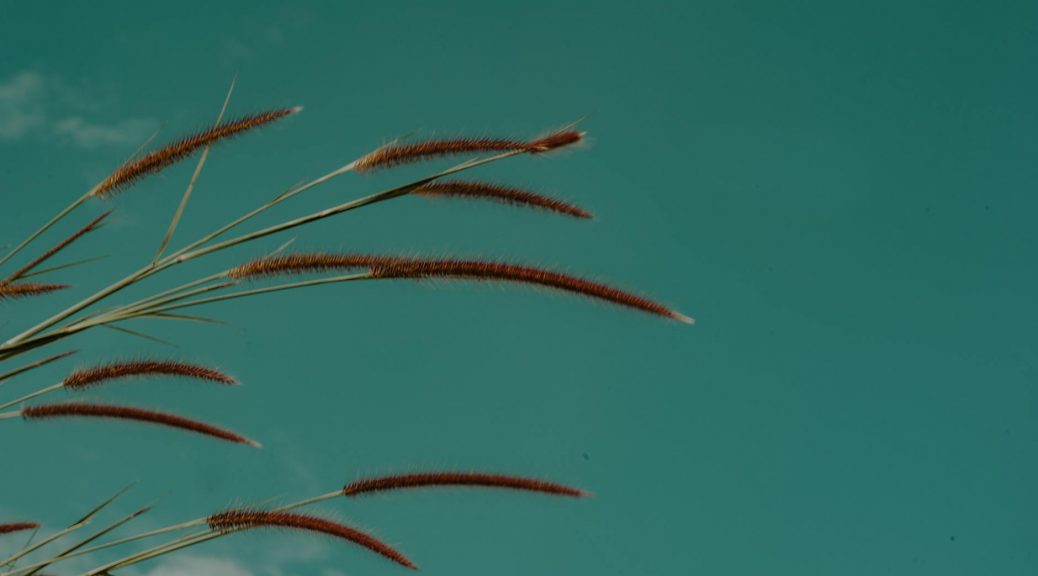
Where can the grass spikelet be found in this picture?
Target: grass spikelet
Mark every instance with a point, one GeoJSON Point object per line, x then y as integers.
{"type": "Point", "coordinates": [422, 479]}
{"type": "Point", "coordinates": [555, 141]}
{"type": "Point", "coordinates": [26, 289]}
{"type": "Point", "coordinates": [389, 267]}
{"type": "Point", "coordinates": [409, 153]}
{"type": "Point", "coordinates": [499, 193]}
{"type": "Point", "coordinates": [306, 262]}
{"type": "Point", "coordinates": [84, 410]}
{"type": "Point", "coordinates": [400, 154]}
{"type": "Point", "coordinates": [156, 161]}
{"type": "Point", "coordinates": [93, 225]}
{"type": "Point", "coordinates": [17, 527]}
{"type": "Point", "coordinates": [241, 519]}
{"type": "Point", "coordinates": [96, 375]}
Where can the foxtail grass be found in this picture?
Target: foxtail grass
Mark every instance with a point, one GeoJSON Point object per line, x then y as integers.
{"type": "Point", "coordinates": [90, 410]}
{"type": "Point", "coordinates": [274, 272]}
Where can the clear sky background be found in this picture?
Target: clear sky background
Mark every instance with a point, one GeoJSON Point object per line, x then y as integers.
{"type": "Point", "coordinates": [841, 193]}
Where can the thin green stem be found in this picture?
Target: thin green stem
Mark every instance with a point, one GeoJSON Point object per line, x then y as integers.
{"type": "Point", "coordinates": [44, 542]}
{"type": "Point", "coordinates": [191, 185]}
{"type": "Point", "coordinates": [39, 392]}
{"type": "Point", "coordinates": [189, 253]}
{"type": "Point", "coordinates": [264, 290]}
{"type": "Point", "coordinates": [198, 537]}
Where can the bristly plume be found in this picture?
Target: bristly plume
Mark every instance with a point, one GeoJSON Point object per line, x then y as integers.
{"type": "Point", "coordinates": [499, 193]}
{"type": "Point", "coordinates": [387, 267]}
{"type": "Point", "coordinates": [156, 161]}
{"type": "Point", "coordinates": [306, 262]}
{"type": "Point", "coordinates": [95, 375]}
{"type": "Point", "coordinates": [85, 410]}
{"type": "Point", "coordinates": [400, 154]}
{"type": "Point", "coordinates": [90, 227]}
{"type": "Point", "coordinates": [555, 141]}
{"type": "Point", "coordinates": [247, 519]}
{"type": "Point", "coordinates": [26, 289]}
{"type": "Point", "coordinates": [422, 479]}
{"type": "Point", "coordinates": [17, 527]}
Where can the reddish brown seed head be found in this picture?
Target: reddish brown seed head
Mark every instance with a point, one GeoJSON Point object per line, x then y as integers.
{"type": "Point", "coordinates": [409, 153]}
{"type": "Point", "coordinates": [11, 527]}
{"type": "Point", "coordinates": [555, 141]}
{"type": "Point", "coordinates": [479, 270]}
{"type": "Point", "coordinates": [471, 479]}
{"type": "Point", "coordinates": [304, 263]}
{"type": "Point", "coordinates": [156, 161]}
{"type": "Point", "coordinates": [96, 375]}
{"type": "Point", "coordinates": [240, 519]}
{"type": "Point", "coordinates": [85, 410]}
{"type": "Point", "coordinates": [386, 267]}
{"type": "Point", "coordinates": [499, 193]}
{"type": "Point", "coordinates": [27, 289]}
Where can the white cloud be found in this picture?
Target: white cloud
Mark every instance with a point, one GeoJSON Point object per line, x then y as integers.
{"type": "Point", "coordinates": [89, 135]}
{"type": "Point", "coordinates": [35, 106]}
{"type": "Point", "coordinates": [199, 566]}
{"type": "Point", "coordinates": [21, 106]}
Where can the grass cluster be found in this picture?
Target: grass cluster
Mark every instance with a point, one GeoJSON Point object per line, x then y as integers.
{"type": "Point", "coordinates": [43, 343]}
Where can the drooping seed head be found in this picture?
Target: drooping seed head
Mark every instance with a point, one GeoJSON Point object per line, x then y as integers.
{"type": "Point", "coordinates": [243, 519]}
{"type": "Point", "coordinates": [470, 479]}
{"type": "Point", "coordinates": [85, 410]}
{"type": "Point", "coordinates": [387, 267]}
{"type": "Point", "coordinates": [498, 193]}
{"type": "Point", "coordinates": [160, 159]}
{"type": "Point", "coordinates": [96, 375]}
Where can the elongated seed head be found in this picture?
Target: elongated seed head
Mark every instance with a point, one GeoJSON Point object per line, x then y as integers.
{"type": "Point", "coordinates": [96, 375]}
{"type": "Point", "coordinates": [411, 152]}
{"type": "Point", "coordinates": [156, 161]}
{"type": "Point", "coordinates": [27, 289]}
{"type": "Point", "coordinates": [85, 410]}
{"type": "Point", "coordinates": [499, 193]}
{"type": "Point", "coordinates": [385, 267]}
{"type": "Point", "coordinates": [470, 479]}
{"type": "Point", "coordinates": [243, 519]}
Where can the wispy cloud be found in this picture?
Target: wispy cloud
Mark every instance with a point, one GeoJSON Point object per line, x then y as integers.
{"type": "Point", "coordinates": [199, 566]}
{"type": "Point", "coordinates": [35, 106]}
{"type": "Point", "coordinates": [89, 135]}
{"type": "Point", "coordinates": [21, 105]}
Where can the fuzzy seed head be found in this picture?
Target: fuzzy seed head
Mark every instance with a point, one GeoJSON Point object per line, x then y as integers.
{"type": "Point", "coordinates": [26, 289]}
{"type": "Point", "coordinates": [85, 410]}
{"type": "Point", "coordinates": [243, 519]}
{"type": "Point", "coordinates": [470, 479]}
{"type": "Point", "coordinates": [498, 193]}
{"type": "Point", "coordinates": [156, 161]}
{"type": "Point", "coordinates": [104, 373]}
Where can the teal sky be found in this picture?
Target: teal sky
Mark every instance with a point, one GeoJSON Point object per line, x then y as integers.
{"type": "Point", "coordinates": [841, 193]}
